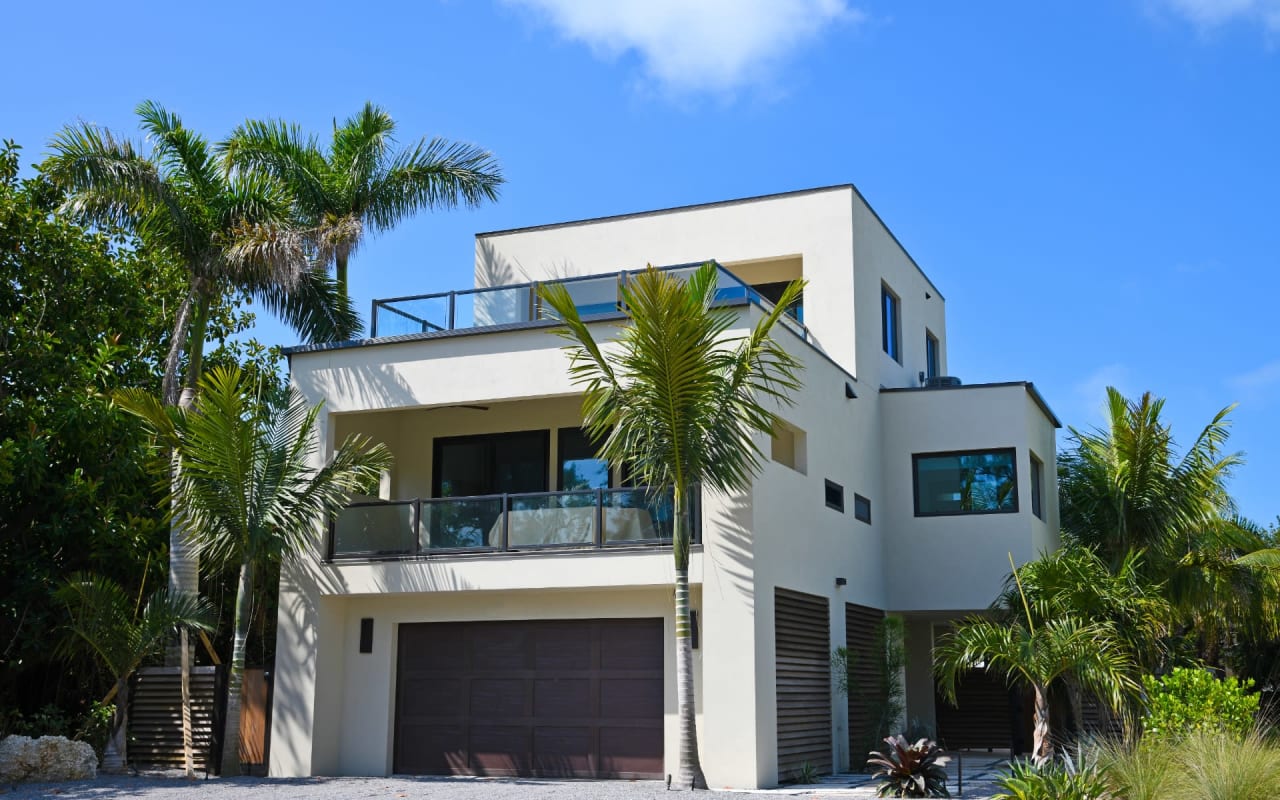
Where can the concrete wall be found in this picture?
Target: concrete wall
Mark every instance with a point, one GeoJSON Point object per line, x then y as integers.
{"type": "Point", "coordinates": [966, 556]}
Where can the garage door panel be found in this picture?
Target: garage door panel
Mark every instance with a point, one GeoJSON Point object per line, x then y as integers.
{"type": "Point", "coordinates": [631, 751]}
{"type": "Point", "coordinates": [626, 645]}
{"type": "Point", "coordinates": [581, 698]}
{"type": "Point", "coordinates": [630, 698]}
{"type": "Point", "coordinates": [498, 698]}
{"type": "Point", "coordinates": [562, 697]}
{"type": "Point", "coordinates": [500, 750]}
{"type": "Point", "coordinates": [434, 697]}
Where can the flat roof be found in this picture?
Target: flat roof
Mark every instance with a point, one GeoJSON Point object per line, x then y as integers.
{"type": "Point", "coordinates": [719, 204]}
{"type": "Point", "coordinates": [1028, 385]}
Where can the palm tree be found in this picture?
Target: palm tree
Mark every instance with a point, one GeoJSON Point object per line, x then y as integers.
{"type": "Point", "coordinates": [360, 182]}
{"type": "Point", "coordinates": [247, 490]}
{"type": "Point", "coordinates": [1089, 653]}
{"type": "Point", "coordinates": [1125, 489]}
{"type": "Point", "coordinates": [105, 623]}
{"type": "Point", "coordinates": [678, 402]}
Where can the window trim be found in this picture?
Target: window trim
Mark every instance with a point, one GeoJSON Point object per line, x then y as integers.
{"type": "Point", "coordinates": [1037, 487]}
{"type": "Point", "coordinates": [857, 499]}
{"type": "Point", "coordinates": [915, 481]}
{"type": "Point", "coordinates": [827, 486]}
{"type": "Point", "coordinates": [887, 293]}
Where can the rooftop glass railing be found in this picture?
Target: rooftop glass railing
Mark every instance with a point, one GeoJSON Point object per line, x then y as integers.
{"type": "Point", "coordinates": [421, 527]}
{"type": "Point", "coordinates": [521, 303]}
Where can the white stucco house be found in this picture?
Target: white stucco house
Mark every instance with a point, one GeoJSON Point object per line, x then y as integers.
{"type": "Point", "coordinates": [504, 606]}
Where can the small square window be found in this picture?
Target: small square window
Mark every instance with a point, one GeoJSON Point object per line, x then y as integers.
{"type": "Point", "coordinates": [1037, 487]}
{"type": "Point", "coordinates": [835, 496]}
{"type": "Point", "coordinates": [787, 446]}
{"type": "Point", "coordinates": [861, 508]}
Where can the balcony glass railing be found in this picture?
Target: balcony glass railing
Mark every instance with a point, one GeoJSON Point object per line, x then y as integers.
{"type": "Point", "coordinates": [521, 303]}
{"type": "Point", "coordinates": [506, 522]}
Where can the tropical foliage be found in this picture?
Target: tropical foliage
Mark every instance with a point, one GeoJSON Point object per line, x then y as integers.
{"type": "Point", "coordinates": [1075, 778]}
{"type": "Point", "coordinates": [885, 693]}
{"type": "Point", "coordinates": [248, 488]}
{"type": "Point", "coordinates": [677, 400]}
{"type": "Point", "coordinates": [1189, 701]}
{"type": "Point", "coordinates": [360, 183]}
{"type": "Point", "coordinates": [909, 769]}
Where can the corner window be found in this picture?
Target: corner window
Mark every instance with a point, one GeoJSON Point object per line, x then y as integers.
{"type": "Point", "coordinates": [835, 496]}
{"type": "Point", "coordinates": [861, 509]}
{"type": "Point", "coordinates": [931, 358]}
{"type": "Point", "coordinates": [970, 482]}
{"type": "Point", "coordinates": [891, 323]}
{"type": "Point", "coordinates": [1037, 484]}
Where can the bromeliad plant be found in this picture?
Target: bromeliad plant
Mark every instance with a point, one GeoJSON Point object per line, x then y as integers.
{"type": "Point", "coordinates": [907, 769]}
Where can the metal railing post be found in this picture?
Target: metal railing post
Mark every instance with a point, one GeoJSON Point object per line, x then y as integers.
{"type": "Point", "coordinates": [417, 527]}
{"type": "Point", "coordinates": [534, 302]}
{"type": "Point", "coordinates": [505, 543]}
{"type": "Point", "coordinates": [453, 305]}
{"type": "Point", "coordinates": [373, 320]}
{"type": "Point", "coordinates": [599, 539]}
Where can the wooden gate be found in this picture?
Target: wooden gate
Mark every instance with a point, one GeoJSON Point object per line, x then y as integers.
{"type": "Point", "coordinates": [860, 623]}
{"type": "Point", "coordinates": [802, 640]}
{"type": "Point", "coordinates": [155, 717]}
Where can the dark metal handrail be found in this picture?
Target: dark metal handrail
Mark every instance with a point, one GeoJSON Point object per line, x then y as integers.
{"type": "Point", "coordinates": [505, 505]}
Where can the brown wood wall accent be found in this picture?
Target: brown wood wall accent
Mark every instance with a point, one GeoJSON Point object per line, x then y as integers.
{"type": "Point", "coordinates": [253, 717]}
{"type": "Point", "coordinates": [155, 716]}
{"type": "Point", "coordinates": [982, 716]}
{"type": "Point", "coordinates": [554, 698]}
{"type": "Point", "coordinates": [802, 639]}
{"type": "Point", "coordinates": [860, 624]}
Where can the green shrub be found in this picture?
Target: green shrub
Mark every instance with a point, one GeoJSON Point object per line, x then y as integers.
{"type": "Point", "coordinates": [1078, 779]}
{"type": "Point", "coordinates": [1188, 701]}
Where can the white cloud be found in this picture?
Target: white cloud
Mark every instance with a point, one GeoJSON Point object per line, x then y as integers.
{"type": "Point", "coordinates": [1090, 392]}
{"type": "Point", "coordinates": [1256, 384]}
{"type": "Point", "coordinates": [1213, 13]}
{"type": "Point", "coordinates": [696, 45]}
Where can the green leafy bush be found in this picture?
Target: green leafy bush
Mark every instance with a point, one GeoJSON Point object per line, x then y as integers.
{"type": "Point", "coordinates": [910, 770]}
{"type": "Point", "coordinates": [1078, 779]}
{"type": "Point", "coordinates": [1188, 701]}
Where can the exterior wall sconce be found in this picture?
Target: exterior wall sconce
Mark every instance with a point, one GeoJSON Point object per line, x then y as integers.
{"type": "Point", "coordinates": [366, 635]}
{"type": "Point", "coordinates": [842, 581]}
{"type": "Point", "coordinates": [849, 393]}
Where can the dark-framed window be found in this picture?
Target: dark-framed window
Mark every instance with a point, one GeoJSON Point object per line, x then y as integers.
{"type": "Point", "coordinates": [834, 495]}
{"type": "Point", "coordinates": [490, 463]}
{"type": "Point", "coordinates": [578, 465]}
{"type": "Point", "coordinates": [891, 322]}
{"type": "Point", "coordinates": [965, 482]}
{"type": "Point", "coordinates": [773, 293]}
{"type": "Point", "coordinates": [861, 508]}
{"type": "Point", "coordinates": [1037, 486]}
{"type": "Point", "coordinates": [932, 360]}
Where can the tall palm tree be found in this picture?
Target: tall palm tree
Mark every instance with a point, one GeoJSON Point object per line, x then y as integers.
{"type": "Point", "coordinates": [360, 182]}
{"type": "Point", "coordinates": [247, 489]}
{"type": "Point", "coordinates": [1125, 489]}
{"type": "Point", "coordinates": [678, 402]}
{"type": "Point", "coordinates": [1090, 653]}
{"type": "Point", "coordinates": [106, 623]}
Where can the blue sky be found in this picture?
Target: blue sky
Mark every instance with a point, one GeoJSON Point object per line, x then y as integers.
{"type": "Point", "coordinates": [1091, 184]}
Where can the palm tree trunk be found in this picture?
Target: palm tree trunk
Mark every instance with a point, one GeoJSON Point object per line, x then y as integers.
{"type": "Point", "coordinates": [1042, 743]}
{"type": "Point", "coordinates": [115, 755]}
{"type": "Point", "coordinates": [177, 342]}
{"type": "Point", "coordinates": [188, 757]}
{"type": "Point", "coordinates": [689, 774]}
{"type": "Point", "coordinates": [340, 270]}
{"type": "Point", "coordinates": [231, 726]}
{"type": "Point", "coordinates": [195, 344]}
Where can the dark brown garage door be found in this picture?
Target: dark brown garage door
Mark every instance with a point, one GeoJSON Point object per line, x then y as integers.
{"type": "Point", "coordinates": [565, 698]}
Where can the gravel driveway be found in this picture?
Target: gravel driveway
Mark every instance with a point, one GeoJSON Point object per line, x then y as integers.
{"type": "Point", "coordinates": [152, 788]}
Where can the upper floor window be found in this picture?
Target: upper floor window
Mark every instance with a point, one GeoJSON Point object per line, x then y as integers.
{"type": "Point", "coordinates": [931, 358]}
{"type": "Point", "coordinates": [1037, 484]}
{"type": "Point", "coordinates": [773, 293]}
{"type": "Point", "coordinates": [970, 482]}
{"type": "Point", "coordinates": [833, 493]}
{"type": "Point", "coordinates": [891, 323]}
{"type": "Point", "coordinates": [580, 467]}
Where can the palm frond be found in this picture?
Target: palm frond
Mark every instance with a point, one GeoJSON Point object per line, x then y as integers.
{"type": "Point", "coordinates": [283, 151]}
{"type": "Point", "coordinates": [315, 309]}
{"type": "Point", "coordinates": [436, 173]}
{"type": "Point", "coordinates": [184, 154]}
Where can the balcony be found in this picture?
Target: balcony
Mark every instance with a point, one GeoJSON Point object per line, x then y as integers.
{"type": "Point", "coordinates": [505, 523]}
{"type": "Point", "coordinates": [521, 304]}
